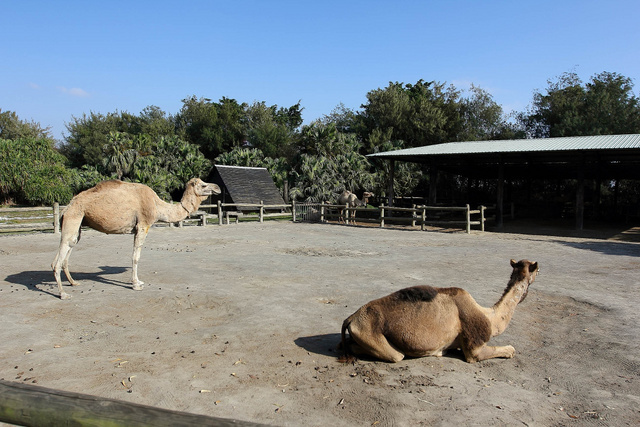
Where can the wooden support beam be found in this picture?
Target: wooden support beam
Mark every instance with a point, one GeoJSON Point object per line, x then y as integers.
{"type": "Point", "coordinates": [392, 177]}
{"type": "Point", "coordinates": [580, 204]}
{"type": "Point", "coordinates": [500, 196]}
{"type": "Point", "coordinates": [433, 185]}
{"type": "Point", "coordinates": [29, 405]}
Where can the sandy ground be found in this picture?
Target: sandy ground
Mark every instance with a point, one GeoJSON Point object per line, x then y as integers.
{"type": "Point", "coordinates": [242, 322]}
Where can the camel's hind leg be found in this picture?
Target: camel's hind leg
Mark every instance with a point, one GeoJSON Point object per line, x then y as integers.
{"type": "Point", "coordinates": [70, 235]}
{"type": "Point", "coordinates": [138, 241]}
{"type": "Point", "coordinates": [371, 342]}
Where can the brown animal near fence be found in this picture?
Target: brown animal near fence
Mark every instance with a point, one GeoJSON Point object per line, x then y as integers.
{"type": "Point", "coordinates": [116, 207]}
{"type": "Point", "coordinates": [349, 199]}
{"type": "Point", "coordinates": [427, 321]}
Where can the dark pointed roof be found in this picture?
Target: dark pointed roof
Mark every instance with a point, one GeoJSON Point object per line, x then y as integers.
{"type": "Point", "coordinates": [246, 185]}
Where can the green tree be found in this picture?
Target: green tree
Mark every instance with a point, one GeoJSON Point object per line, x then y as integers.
{"type": "Point", "coordinates": [331, 163]}
{"type": "Point", "coordinates": [606, 105]}
{"type": "Point", "coordinates": [344, 119]}
{"type": "Point", "coordinates": [119, 155]}
{"type": "Point", "coordinates": [214, 127]}
{"type": "Point", "coordinates": [89, 134]}
{"type": "Point", "coordinates": [272, 129]}
{"type": "Point", "coordinates": [419, 114]}
{"type": "Point", "coordinates": [33, 172]}
{"type": "Point", "coordinates": [11, 127]}
{"type": "Point", "coordinates": [484, 119]}
{"type": "Point", "coordinates": [153, 121]}
{"type": "Point", "coordinates": [168, 164]}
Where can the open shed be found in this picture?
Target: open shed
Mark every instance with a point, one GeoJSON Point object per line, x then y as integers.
{"type": "Point", "coordinates": [250, 185]}
{"type": "Point", "coordinates": [580, 158]}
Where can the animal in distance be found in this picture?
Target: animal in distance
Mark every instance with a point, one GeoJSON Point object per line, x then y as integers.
{"type": "Point", "coordinates": [427, 321]}
{"type": "Point", "coordinates": [350, 200]}
{"type": "Point", "coordinates": [117, 207]}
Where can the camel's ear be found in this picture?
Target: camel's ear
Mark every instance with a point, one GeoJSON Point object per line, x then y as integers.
{"type": "Point", "coordinates": [514, 263]}
{"type": "Point", "coordinates": [533, 267]}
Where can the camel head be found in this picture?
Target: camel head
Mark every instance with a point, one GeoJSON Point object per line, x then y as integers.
{"type": "Point", "coordinates": [201, 189]}
{"type": "Point", "coordinates": [524, 271]}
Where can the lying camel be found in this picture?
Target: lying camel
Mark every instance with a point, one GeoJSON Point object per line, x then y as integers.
{"type": "Point", "coordinates": [426, 321]}
{"type": "Point", "coordinates": [349, 199]}
{"type": "Point", "coordinates": [116, 207]}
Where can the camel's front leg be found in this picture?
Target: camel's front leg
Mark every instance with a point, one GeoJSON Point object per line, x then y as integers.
{"type": "Point", "coordinates": [489, 352]}
{"type": "Point", "coordinates": [138, 241]}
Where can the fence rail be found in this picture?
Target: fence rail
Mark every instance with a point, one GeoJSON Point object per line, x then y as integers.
{"type": "Point", "coordinates": [223, 213]}
{"type": "Point", "coordinates": [417, 215]}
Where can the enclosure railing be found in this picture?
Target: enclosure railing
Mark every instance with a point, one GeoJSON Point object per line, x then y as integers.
{"type": "Point", "coordinates": [47, 218]}
{"type": "Point", "coordinates": [418, 215]}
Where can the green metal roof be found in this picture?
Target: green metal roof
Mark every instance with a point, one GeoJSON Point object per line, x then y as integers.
{"type": "Point", "coordinates": [573, 143]}
{"type": "Point", "coordinates": [613, 156]}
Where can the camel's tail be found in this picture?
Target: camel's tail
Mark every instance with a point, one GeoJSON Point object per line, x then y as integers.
{"type": "Point", "coordinates": [347, 356]}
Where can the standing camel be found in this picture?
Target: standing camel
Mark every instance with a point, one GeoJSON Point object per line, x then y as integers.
{"type": "Point", "coordinates": [426, 321]}
{"type": "Point", "coordinates": [116, 207]}
{"type": "Point", "coordinates": [349, 199]}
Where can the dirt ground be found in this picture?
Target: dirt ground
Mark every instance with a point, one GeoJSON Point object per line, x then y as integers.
{"type": "Point", "coordinates": [242, 322]}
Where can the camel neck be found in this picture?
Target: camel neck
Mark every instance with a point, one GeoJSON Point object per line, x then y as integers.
{"type": "Point", "coordinates": [185, 208]}
{"type": "Point", "coordinates": [503, 310]}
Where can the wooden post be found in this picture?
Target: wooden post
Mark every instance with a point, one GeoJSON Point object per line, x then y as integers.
{"type": "Point", "coordinates": [322, 211]}
{"type": "Point", "coordinates": [392, 177]}
{"type": "Point", "coordinates": [346, 213]}
{"type": "Point", "coordinates": [482, 208]}
{"type": "Point", "coordinates": [500, 197]}
{"type": "Point", "coordinates": [203, 219]}
{"type": "Point", "coordinates": [293, 211]}
{"type": "Point", "coordinates": [413, 214]}
{"type": "Point", "coordinates": [219, 212]}
{"type": "Point", "coordinates": [424, 216]}
{"type": "Point", "coordinates": [580, 203]}
{"type": "Point", "coordinates": [29, 405]}
{"type": "Point", "coordinates": [56, 218]}
{"type": "Point", "coordinates": [382, 215]}
{"type": "Point", "coordinates": [433, 185]}
{"type": "Point", "coordinates": [261, 211]}
{"type": "Point", "coordinates": [468, 220]}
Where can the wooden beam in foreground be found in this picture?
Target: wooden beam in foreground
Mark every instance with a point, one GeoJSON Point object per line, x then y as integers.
{"type": "Point", "coordinates": [29, 405]}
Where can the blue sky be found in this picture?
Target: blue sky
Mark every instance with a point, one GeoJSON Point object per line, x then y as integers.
{"type": "Point", "coordinates": [61, 59]}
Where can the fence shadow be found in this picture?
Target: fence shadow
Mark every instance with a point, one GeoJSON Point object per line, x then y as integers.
{"type": "Point", "coordinates": [30, 279]}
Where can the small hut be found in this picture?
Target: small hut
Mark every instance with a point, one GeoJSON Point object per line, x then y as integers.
{"type": "Point", "coordinates": [250, 185]}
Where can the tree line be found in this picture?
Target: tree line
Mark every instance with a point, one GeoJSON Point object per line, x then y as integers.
{"type": "Point", "coordinates": [312, 162]}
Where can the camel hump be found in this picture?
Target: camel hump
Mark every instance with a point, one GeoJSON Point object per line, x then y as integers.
{"type": "Point", "coordinates": [416, 294]}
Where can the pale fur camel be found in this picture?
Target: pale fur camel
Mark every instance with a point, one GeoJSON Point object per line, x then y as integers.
{"type": "Point", "coordinates": [426, 321]}
{"type": "Point", "coordinates": [349, 199]}
{"type": "Point", "coordinates": [116, 207]}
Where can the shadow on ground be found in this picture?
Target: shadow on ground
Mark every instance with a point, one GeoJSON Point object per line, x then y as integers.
{"type": "Point", "coordinates": [31, 279]}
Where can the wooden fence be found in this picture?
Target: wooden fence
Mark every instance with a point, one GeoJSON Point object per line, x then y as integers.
{"type": "Point", "coordinates": [48, 218]}
{"type": "Point", "coordinates": [417, 215]}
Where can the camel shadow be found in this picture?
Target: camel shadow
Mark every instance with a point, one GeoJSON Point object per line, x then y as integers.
{"type": "Point", "coordinates": [30, 279]}
{"type": "Point", "coordinates": [325, 345]}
